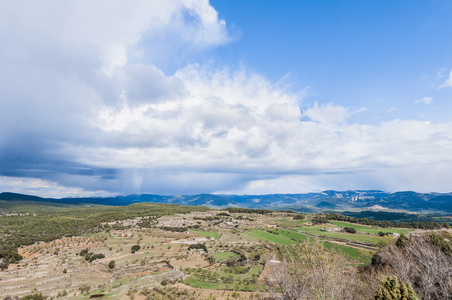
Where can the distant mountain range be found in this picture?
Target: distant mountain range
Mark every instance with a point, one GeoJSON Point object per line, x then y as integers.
{"type": "Point", "coordinates": [407, 201]}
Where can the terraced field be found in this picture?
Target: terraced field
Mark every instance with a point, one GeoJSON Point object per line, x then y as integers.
{"type": "Point", "coordinates": [207, 234]}
{"type": "Point", "coordinates": [296, 236]}
{"type": "Point", "coordinates": [222, 256]}
{"type": "Point", "coordinates": [291, 222]}
{"type": "Point", "coordinates": [56, 267]}
{"type": "Point", "coordinates": [222, 280]}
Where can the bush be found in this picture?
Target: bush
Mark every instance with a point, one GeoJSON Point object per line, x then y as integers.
{"type": "Point", "coordinates": [401, 240]}
{"type": "Point", "coordinates": [317, 220]}
{"type": "Point", "coordinates": [112, 264]}
{"type": "Point", "coordinates": [39, 296]}
{"type": "Point", "coordinates": [350, 229]}
{"type": "Point", "coordinates": [391, 289]}
{"type": "Point", "coordinates": [135, 248]}
{"type": "Point", "coordinates": [84, 252]}
{"type": "Point", "coordinates": [198, 246]}
{"type": "Point", "coordinates": [164, 282]}
{"type": "Point", "coordinates": [92, 257]}
{"type": "Point", "coordinates": [299, 217]}
{"type": "Point", "coordinates": [381, 233]}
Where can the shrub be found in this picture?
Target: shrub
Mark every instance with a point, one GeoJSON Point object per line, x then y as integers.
{"type": "Point", "coordinates": [36, 296]}
{"type": "Point", "coordinates": [401, 240]}
{"type": "Point", "coordinates": [84, 252]}
{"type": "Point", "coordinates": [391, 289]}
{"type": "Point", "coordinates": [198, 246]}
{"type": "Point", "coordinates": [381, 233]}
{"type": "Point", "coordinates": [350, 229]}
{"type": "Point", "coordinates": [299, 217]}
{"type": "Point", "coordinates": [112, 264]}
{"type": "Point", "coordinates": [92, 257]}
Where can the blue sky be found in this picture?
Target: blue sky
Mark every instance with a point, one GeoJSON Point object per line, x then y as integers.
{"type": "Point", "coordinates": [372, 54]}
{"type": "Point", "coordinates": [191, 96]}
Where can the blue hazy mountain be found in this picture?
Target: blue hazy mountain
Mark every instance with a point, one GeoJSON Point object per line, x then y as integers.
{"type": "Point", "coordinates": [309, 202]}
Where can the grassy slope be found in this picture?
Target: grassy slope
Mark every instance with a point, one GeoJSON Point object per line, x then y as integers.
{"type": "Point", "coordinates": [299, 237]}
{"type": "Point", "coordinates": [270, 237]}
{"type": "Point", "coordinates": [367, 229]}
{"type": "Point", "coordinates": [366, 238]}
{"type": "Point", "coordinates": [361, 255]}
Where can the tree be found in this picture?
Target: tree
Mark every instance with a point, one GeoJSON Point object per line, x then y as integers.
{"type": "Point", "coordinates": [299, 217]}
{"type": "Point", "coordinates": [350, 229]}
{"type": "Point", "coordinates": [112, 264]}
{"type": "Point", "coordinates": [135, 248]}
{"type": "Point", "coordinates": [309, 271]}
{"type": "Point", "coordinates": [391, 289]}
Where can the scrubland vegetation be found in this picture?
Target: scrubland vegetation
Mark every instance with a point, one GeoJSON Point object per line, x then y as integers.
{"type": "Point", "coordinates": [154, 251]}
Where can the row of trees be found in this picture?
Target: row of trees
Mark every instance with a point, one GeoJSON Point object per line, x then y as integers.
{"type": "Point", "coordinates": [240, 210]}
{"type": "Point", "coordinates": [384, 224]}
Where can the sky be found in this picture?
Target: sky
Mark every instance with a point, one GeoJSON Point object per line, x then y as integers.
{"type": "Point", "coordinates": [103, 98]}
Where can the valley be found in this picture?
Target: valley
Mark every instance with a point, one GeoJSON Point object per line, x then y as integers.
{"type": "Point", "coordinates": [173, 252]}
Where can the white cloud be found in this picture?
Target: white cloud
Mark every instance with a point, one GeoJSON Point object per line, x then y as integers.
{"type": "Point", "coordinates": [45, 188]}
{"type": "Point", "coordinates": [425, 100]}
{"type": "Point", "coordinates": [235, 123]}
{"type": "Point", "coordinates": [328, 113]}
{"type": "Point", "coordinates": [448, 82]}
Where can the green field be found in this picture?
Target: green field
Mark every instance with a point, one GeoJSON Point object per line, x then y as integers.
{"type": "Point", "coordinates": [222, 256]}
{"type": "Point", "coordinates": [291, 223]}
{"type": "Point", "coordinates": [219, 286]}
{"type": "Point", "coordinates": [207, 234]}
{"type": "Point", "coordinates": [367, 229]}
{"type": "Point", "coordinates": [296, 236]}
{"type": "Point", "coordinates": [363, 256]}
{"type": "Point", "coordinates": [270, 237]}
{"type": "Point", "coordinates": [366, 238]}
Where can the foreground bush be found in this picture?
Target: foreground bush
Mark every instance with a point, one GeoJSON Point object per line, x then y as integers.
{"type": "Point", "coordinates": [391, 289]}
{"type": "Point", "coordinates": [423, 261]}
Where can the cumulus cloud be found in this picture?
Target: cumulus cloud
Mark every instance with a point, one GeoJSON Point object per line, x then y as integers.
{"type": "Point", "coordinates": [242, 129]}
{"type": "Point", "coordinates": [87, 107]}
